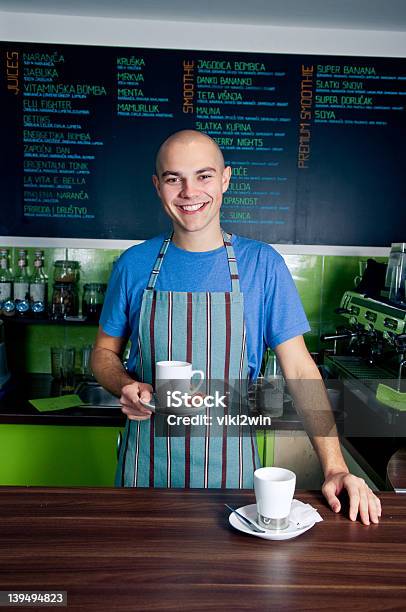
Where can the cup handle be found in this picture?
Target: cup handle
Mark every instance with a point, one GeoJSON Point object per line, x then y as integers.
{"type": "Point", "coordinates": [199, 384]}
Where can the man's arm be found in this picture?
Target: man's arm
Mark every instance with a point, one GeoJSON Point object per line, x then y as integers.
{"type": "Point", "coordinates": [311, 401]}
{"type": "Point", "coordinates": [109, 371]}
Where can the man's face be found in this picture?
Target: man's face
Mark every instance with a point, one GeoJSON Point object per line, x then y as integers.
{"type": "Point", "coordinates": [190, 183]}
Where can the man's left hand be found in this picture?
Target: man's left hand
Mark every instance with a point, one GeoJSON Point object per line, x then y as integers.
{"type": "Point", "coordinates": [362, 499]}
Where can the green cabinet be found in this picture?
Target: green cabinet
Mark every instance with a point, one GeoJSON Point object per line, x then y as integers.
{"type": "Point", "coordinates": [266, 447]}
{"type": "Point", "coordinates": [68, 456]}
{"type": "Point", "coordinates": [48, 455]}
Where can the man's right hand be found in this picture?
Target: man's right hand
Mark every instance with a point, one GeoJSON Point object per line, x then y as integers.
{"type": "Point", "coordinates": [130, 400]}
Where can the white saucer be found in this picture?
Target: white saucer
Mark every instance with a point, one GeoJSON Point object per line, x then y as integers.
{"type": "Point", "coordinates": [250, 512]}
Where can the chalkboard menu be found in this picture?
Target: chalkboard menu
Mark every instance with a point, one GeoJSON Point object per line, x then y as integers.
{"type": "Point", "coordinates": [316, 143]}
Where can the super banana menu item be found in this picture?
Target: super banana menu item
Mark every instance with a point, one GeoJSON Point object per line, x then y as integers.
{"type": "Point", "coordinates": [315, 142]}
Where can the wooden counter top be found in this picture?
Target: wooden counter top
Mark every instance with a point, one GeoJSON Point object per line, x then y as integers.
{"type": "Point", "coordinates": [151, 549]}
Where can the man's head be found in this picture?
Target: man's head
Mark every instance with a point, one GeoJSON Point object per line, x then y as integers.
{"type": "Point", "coordinates": [190, 180]}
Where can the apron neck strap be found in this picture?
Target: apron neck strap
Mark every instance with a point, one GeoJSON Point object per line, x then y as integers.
{"type": "Point", "coordinates": [158, 262]}
{"type": "Point", "coordinates": [232, 262]}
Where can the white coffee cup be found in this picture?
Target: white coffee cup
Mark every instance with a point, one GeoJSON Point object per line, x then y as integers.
{"type": "Point", "coordinates": [174, 377]}
{"type": "Point", "coordinates": [274, 488]}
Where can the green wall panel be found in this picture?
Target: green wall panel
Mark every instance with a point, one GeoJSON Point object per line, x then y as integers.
{"type": "Point", "coordinates": [46, 455]}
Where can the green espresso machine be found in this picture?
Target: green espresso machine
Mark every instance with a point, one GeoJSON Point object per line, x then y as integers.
{"type": "Point", "coordinates": [371, 342]}
{"type": "Point", "coordinates": [365, 359]}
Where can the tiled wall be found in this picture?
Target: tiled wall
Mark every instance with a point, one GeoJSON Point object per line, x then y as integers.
{"type": "Point", "coordinates": [321, 280]}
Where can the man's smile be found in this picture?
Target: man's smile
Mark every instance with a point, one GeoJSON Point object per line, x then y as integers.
{"type": "Point", "coordinates": [190, 209]}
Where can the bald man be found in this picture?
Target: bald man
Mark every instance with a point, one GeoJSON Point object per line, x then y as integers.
{"type": "Point", "coordinates": [202, 296]}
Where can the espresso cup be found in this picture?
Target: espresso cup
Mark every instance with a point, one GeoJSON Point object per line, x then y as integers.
{"type": "Point", "coordinates": [274, 488]}
{"type": "Point", "coordinates": [174, 379]}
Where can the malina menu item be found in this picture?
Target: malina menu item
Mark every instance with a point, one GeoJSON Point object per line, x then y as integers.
{"type": "Point", "coordinates": [315, 143]}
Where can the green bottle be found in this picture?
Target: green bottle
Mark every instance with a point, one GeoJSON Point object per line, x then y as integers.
{"type": "Point", "coordinates": [22, 285]}
{"type": "Point", "coordinates": [6, 281]}
{"type": "Point", "coordinates": [38, 286]}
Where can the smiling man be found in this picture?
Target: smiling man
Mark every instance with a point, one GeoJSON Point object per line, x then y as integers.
{"type": "Point", "coordinates": [190, 190]}
{"type": "Point", "coordinates": [217, 301]}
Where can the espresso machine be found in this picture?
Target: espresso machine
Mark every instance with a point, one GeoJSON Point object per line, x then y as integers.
{"type": "Point", "coordinates": [366, 357]}
{"type": "Point", "coordinates": [371, 342]}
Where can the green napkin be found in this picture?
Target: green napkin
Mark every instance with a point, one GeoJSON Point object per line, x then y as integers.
{"type": "Point", "coordinates": [391, 397]}
{"type": "Point", "coordinates": [48, 404]}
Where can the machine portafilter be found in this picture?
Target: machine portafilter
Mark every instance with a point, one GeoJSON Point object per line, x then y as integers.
{"type": "Point", "coordinates": [342, 333]}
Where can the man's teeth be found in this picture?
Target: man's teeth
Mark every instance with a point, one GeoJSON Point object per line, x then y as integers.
{"type": "Point", "coordinates": [192, 206]}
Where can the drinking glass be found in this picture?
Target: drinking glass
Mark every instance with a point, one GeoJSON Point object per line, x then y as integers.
{"type": "Point", "coordinates": [63, 366]}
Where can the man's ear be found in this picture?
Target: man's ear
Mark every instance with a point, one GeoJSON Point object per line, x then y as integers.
{"type": "Point", "coordinates": [155, 181]}
{"type": "Point", "coordinates": [226, 178]}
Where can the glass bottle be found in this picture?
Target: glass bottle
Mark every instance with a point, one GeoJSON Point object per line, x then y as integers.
{"type": "Point", "coordinates": [93, 299]}
{"type": "Point", "coordinates": [6, 279]}
{"type": "Point", "coordinates": [22, 285]}
{"type": "Point", "coordinates": [64, 301]}
{"type": "Point", "coordinates": [65, 295]}
{"type": "Point", "coordinates": [39, 286]}
{"type": "Point", "coordinates": [66, 271]}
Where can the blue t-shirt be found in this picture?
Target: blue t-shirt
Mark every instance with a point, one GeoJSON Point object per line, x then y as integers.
{"type": "Point", "coordinates": [272, 307]}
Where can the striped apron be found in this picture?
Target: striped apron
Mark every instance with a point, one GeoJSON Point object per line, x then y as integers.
{"type": "Point", "coordinates": [207, 330]}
